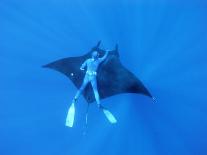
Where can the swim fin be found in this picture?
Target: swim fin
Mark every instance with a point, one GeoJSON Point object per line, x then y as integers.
{"type": "Point", "coordinates": [109, 116]}
{"type": "Point", "coordinates": [70, 116]}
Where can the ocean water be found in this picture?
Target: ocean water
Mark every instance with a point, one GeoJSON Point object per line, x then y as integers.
{"type": "Point", "coordinates": [163, 42]}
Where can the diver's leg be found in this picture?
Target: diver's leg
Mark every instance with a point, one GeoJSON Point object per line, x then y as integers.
{"type": "Point", "coordinates": [107, 113]}
{"type": "Point", "coordinates": [71, 111]}
{"type": "Point", "coordinates": [84, 84]}
{"type": "Point", "coordinates": [95, 90]}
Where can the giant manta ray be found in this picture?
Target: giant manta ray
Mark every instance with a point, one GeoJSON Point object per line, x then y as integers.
{"type": "Point", "coordinates": [112, 77]}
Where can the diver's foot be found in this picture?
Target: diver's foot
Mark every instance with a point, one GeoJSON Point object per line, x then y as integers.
{"type": "Point", "coordinates": [108, 114]}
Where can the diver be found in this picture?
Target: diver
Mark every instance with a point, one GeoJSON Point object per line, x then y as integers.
{"type": "Point", "coordinates": [91, 66]}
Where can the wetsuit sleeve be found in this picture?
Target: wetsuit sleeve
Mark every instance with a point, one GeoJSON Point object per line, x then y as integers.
{"type": "Point", "coordinates": [104, 57]}
{"type": "Point", "coordinates": [83, 66]}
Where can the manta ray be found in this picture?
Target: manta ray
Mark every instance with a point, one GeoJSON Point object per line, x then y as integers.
{"type": "Point", "coordinates": [112, 78]}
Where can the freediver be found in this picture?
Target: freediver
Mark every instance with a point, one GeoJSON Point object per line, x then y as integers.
{"type": "Point", "coordinates": [91, 66]}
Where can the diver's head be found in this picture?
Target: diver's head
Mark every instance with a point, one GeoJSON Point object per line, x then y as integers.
{"type": "Point", "coordinates": [95, 54]}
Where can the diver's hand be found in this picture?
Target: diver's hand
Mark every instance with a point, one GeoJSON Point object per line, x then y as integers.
{"type": "Point", "coordinates": [106, 53]}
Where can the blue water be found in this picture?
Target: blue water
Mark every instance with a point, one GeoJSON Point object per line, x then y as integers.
{"type": "Point", "coordinates": [163, 42]}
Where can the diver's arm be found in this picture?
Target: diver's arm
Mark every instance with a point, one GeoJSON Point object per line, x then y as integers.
{"type": "Point", "coordinates": [83, 65]}
{"type": "Point", "coordinates": [104, 57]}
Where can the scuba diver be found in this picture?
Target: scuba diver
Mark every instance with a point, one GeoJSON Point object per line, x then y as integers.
{"type": "Point", "coordinates": [91, 66]}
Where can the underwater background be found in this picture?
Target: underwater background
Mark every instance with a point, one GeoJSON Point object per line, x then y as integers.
{"type": "Point", "coordinates": [163, 42]}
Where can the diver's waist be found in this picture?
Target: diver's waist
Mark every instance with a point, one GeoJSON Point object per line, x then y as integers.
{"type": "Point", "coordinates": [91, 72]}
